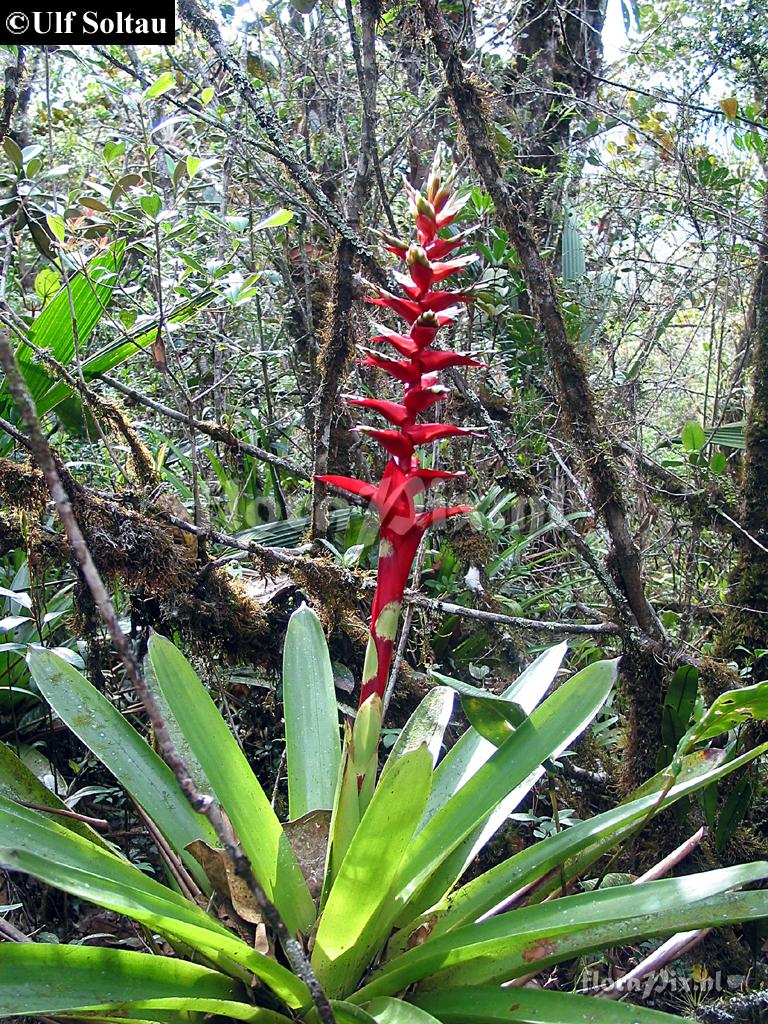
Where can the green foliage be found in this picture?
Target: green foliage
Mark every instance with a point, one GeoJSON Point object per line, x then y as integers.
{"type": "Point", "coordinates": [677, 710]}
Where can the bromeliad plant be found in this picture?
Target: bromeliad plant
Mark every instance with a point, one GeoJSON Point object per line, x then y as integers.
{"type": "Point", "coordinates": [393, 938]}
{"type": "Point", "coordinates": [367, 874]}
{"type": "Point", "coordinates": [426, 309]}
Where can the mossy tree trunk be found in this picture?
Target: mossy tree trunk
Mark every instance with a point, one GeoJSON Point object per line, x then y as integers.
{"type": "Point", "coordinates": [746, 624]}
{"type": "Point", "coordinates": [646, 648]}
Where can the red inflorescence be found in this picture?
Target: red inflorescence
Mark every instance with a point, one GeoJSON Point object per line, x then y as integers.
{"type": "Point", "coordinates": [425, 310]}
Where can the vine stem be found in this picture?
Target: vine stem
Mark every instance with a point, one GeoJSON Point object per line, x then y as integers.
{"type": "Point", "coordinates": [201, 803]}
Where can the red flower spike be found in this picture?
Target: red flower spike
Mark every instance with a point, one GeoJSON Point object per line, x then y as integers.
{"type": "Point", "coordinates": [395, 442]}
{"type": "Point", "coordinates": [431, 476]}
{"type": "Point", "coordinates": [420, 399]}
{"type": "Point", "coordinates": [399, 415]}
{"type": "Point", "coordinates": [423, 433]}
{"type": "Point", "coordinates": [438, 515]}
{"type": "Point", "coordinates": [441, 247]}
{"type": "Point", "coordinates": [408, 286]}
{"type": "Point", "coordinates": [424, 330]}
{"type": "Point", "coordinates": [450, 211]}
{"type": "Point", "coordinates": [442, 270]}
{"type": "Point", "coordinates": [422, 271]}
{"type": "Point", "coordinates": [408, 310]}
{"type": "Point", "coordinates": [436, 302]}
{"type": "Point", "coordinates": [394, 245]}
{"type": "Point", "coordinates": [348, 483]}
{"type": "Point", "coordinates": [437, 359]}
{"type": "Point", "coordinates": [406, 346]}
{"type": "Point", "coordinates": [426, 310]}
{"type": "Point", "coordinates": [405, 371]}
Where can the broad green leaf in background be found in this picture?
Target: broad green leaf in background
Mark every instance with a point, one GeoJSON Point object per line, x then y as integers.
{"type": "Point", "coordinates": [91, 290]}
{"type": "Point", "coordinates": [13, 153]}
{"type": "Point", "coordinates": [677, 710]}
{"type": "Point", "coordinates": [236, 787]}
{"type": "Point", "coordinates": [140, 337]}
{"type": "Point", "coordinates": [572, 249]}
{"type": "Point", "coordinates": [312, 740]}
{"type": "Point", "coordinates": [163, 84]}
{"type": "Point", "coordinates": [729, 710]}
{"type": "Point", "coordinates": [693, 437]}
{"type": "Point", "coordinates": [729, 435]}
{"type": "Point", "coordinates": [352, 925]}
{"type": "Point", "coordinates": [495, 718]}
{"type": "Point", "coordinates": [118, 746]}
{"type": "Point", "coordinates": [733, 811]}
{"type": "Point", "coordinates": [275, 220]}
{"type": "Point", "coordinates": [718, 463]}
{"type": "Point", "coordinates": [494, 1005]}
{"type": "Point", "coordinates": [32, 843]}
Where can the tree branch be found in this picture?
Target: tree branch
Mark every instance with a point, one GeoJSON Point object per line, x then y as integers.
{"type": "Point", "coordinates": [191, 12]}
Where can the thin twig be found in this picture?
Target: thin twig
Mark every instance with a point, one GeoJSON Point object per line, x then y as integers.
{"type": "Point", "coordinates": [11, 933]}
{"type": "Point", "coordinates": [62, 812]}
{"type": "Point", "coordinates": [672, 859]}
{"type": "Point", "coordinates": [540, 625]}
{"type": "Point", "coordinates": [672, 949]}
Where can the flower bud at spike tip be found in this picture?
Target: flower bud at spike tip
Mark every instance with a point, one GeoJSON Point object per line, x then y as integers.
{"type": "Point", "coordinates": [426, 311]}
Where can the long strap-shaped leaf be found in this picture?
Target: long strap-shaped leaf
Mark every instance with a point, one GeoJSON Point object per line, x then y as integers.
{"type": "Point", "coordinates": [426, 725]}
{"type": "Point", "coordinates": [501, 782]}
{"type": "Point", "coordinates": [31, 843]}
{"type": "Point", "coordinates": [468, 756]}
{"type": "Point", "coordinates": [186, 1006]}
{"type": "Point", "coordinates": [471, 751]}
{"type": "Point", "coordinates": [480, 1005]}
{"type": "Point", "coordinates": [312, 741]}
{"type": "Point", "coordinates": [46, 978]}
{"type": "Point", "coordinates": [136, 1016]}
{"type": "Point", "coordinates": [586, 840]}
{"type": "Point", "coordinates": [353, 925]}
{"type": "Point", "coordinates": [515, 943]}
{"type": "Point", "coordinates": [236, 787]}
{"type": "Point", "coordinates": [107, 734]}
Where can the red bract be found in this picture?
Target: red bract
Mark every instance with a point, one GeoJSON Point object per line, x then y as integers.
{"type": "Point", "coordinates": [425, 310]}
